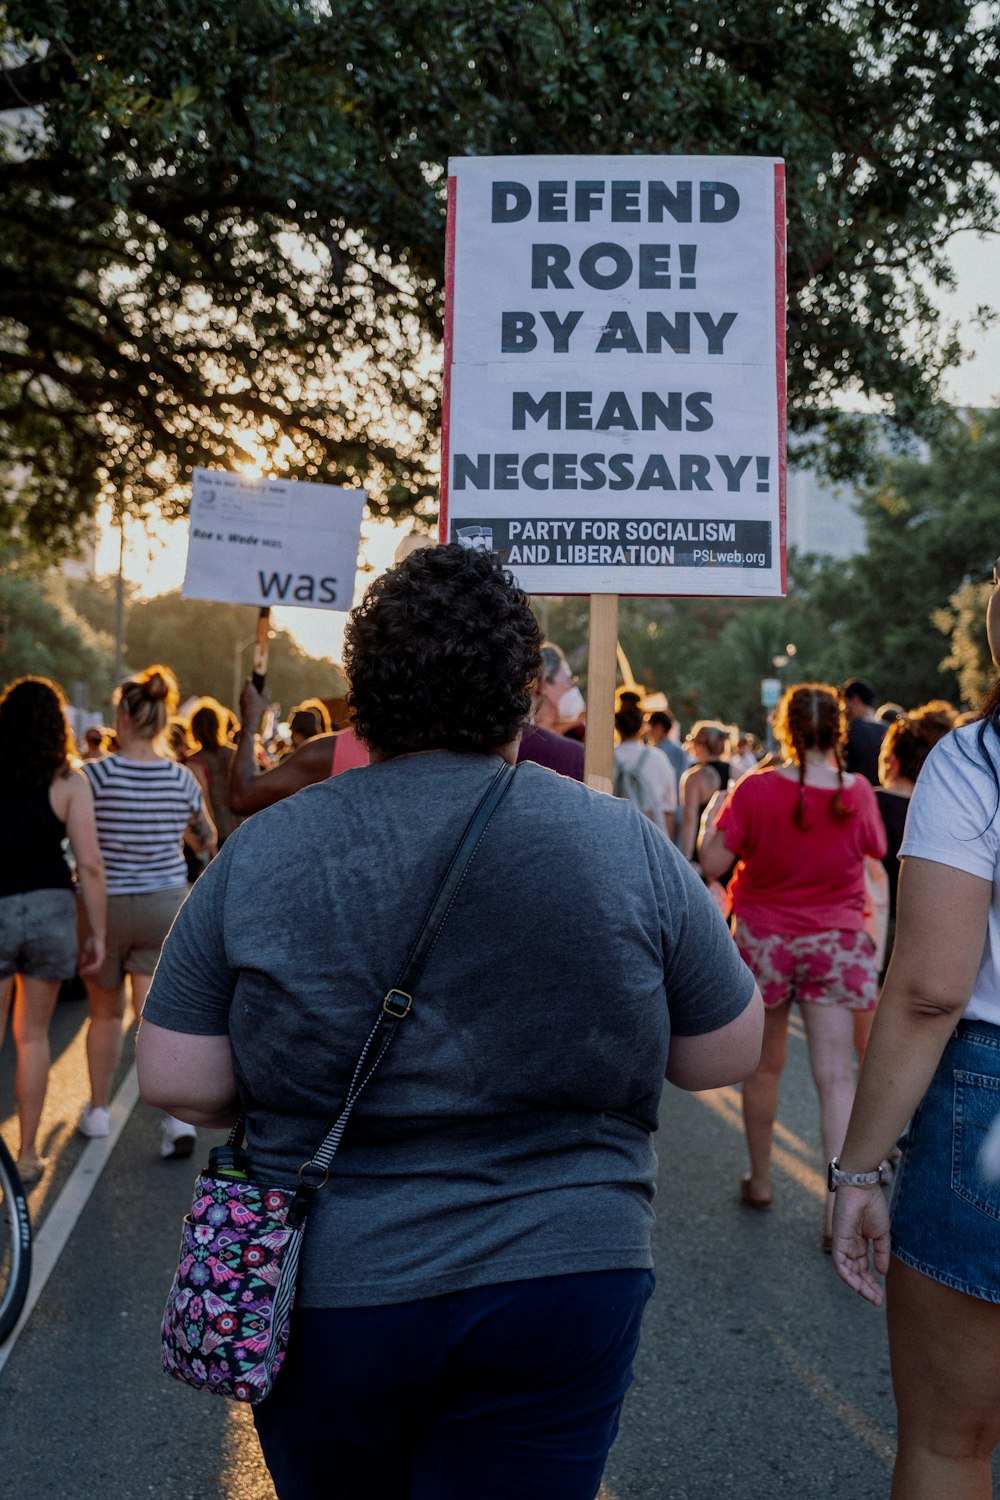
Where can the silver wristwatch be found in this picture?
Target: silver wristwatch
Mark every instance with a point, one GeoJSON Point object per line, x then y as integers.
{"type": "Point", "coordinates": [835, 1178]}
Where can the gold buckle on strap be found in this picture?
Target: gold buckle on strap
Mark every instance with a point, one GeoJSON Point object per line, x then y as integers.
{"type": "Point", "coordinates": [397, 1004]}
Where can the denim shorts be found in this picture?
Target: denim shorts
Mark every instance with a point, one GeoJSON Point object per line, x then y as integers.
{"type": "Point", "coordinates": [945, 1218]}
{"type": "Point", "coordinates": [38, 935]}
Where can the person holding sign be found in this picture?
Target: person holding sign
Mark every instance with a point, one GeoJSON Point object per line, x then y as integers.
{"type": "Point", "coordinates": [315, 759]}
{"type": "Point", "coordinates": [475, 1273]}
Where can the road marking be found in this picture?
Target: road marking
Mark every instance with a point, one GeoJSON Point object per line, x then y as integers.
{"type": "Point", "coordinates": [67, 1078]}
{"type": "Point", "coordinates": [827, 1393]}
{"type": "Point", "coordinates": [50, 1241]}
{"type": "Point", "coordinates": [727, 1104]}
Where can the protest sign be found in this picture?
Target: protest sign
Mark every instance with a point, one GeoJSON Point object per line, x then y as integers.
{"type": "Point", "coordinates": [614, 386]}
{"type": "Point", "coordinates": [272, 541]}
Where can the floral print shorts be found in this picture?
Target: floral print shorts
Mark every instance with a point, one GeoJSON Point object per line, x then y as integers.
{"type": "Point", "coordinates": [817, 968]}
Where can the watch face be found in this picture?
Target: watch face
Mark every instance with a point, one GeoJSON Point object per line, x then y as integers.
{"type": "Point", "coordinates": [830, 1180]}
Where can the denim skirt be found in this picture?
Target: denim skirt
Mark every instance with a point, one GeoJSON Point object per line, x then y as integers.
{"type": "Point", "coordinates": [945, 1218]}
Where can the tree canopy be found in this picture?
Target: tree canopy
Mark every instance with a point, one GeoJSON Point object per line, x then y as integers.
{"type": "Point", "coordinates": [42, 635]}
{"type": "Point", "coordinates": [931, 533]}
{"type": "Point", "coordinates": [906, 613]}
{"type": "Point", "coordinates": [64, 628]}
{"type": "Point", "coordinates": [223, 231]}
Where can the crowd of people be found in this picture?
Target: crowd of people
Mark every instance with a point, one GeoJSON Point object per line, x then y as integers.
{"type": "Point", "coordinates": [773, 878]}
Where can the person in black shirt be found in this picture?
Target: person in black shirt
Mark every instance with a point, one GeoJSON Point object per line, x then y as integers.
{"type": "Point", "coordinates": [864, 732]}
{"type": "Point", "coordinates": [44, 801]}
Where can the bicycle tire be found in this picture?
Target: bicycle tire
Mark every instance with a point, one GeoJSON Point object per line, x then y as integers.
{"type": "Point", "coordinates": [15, 1244]}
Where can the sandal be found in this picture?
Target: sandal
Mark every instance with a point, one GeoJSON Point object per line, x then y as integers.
{"type": "Point", "coordinates": [747, 1198]}
{"type": "Point", "coordinates": [32, 1170]}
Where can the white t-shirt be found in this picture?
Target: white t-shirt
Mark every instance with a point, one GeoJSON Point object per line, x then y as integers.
{"type": "Point", "coordinates": [656, 772]}
{"type": "Point", "coordinates": [954, 819]}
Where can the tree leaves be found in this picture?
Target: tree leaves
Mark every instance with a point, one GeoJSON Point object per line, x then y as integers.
{"type": "Point", "coordinates": [221, 234]}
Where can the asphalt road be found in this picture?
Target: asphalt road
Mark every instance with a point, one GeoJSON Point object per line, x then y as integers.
{"type": "Point", "coordinates": [759, 1374]}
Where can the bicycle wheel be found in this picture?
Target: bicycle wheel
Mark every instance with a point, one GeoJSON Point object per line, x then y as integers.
{"type": "Point", "coordinates": [15, 1244]}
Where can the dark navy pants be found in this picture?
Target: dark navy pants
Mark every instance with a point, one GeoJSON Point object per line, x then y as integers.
{"type": "Point", "coordinates": [504, 1392]}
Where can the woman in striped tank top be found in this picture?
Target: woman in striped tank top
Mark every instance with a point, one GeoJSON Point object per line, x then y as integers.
{"type": "Point", "coordinates": [147, 807]}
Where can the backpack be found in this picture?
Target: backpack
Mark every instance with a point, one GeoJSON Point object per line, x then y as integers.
{"type": "Point", "coordinates": [628, 782]}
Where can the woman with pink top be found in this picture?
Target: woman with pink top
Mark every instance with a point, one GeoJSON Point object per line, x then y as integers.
{"type": "Point", "coordinates": [800, 831]}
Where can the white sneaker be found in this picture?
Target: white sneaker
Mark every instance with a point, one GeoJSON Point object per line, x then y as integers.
{"type": "Point", "coordinates": [177, 1138]}
{"type": "Point", "coordinates": [94, 1122]}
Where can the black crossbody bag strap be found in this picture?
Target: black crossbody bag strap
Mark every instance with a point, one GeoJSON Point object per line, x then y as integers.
{"type": "Point", "coordinates": [398, 1002]}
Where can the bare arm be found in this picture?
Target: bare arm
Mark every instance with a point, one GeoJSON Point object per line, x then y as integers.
{"type": "Point", "coordinates": [714, 854]}
{"type": "Point", "coordinates": [81, 830]}
{"type": "Point", "coordinates": [250, 790]}
{"type": "Point", "coordinates": [198, 772]}
{"type": "Point", "coordinates": [190, 1077]}
{"type": "Point", "coordinates": [694, 781]}
{"type": "Point", "coordinates": [668, 823]}
{"type": "Point", "coordinates": [200, 832]}
{"type": "Point", "coordinates": [942, 917]}
{"type": "Point", "coordinates": [718, 1057]}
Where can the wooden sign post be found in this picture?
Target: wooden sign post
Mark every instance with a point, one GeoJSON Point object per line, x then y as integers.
{"type": "Point", "coordinates": [602, 662]}
{"type": "Point", "coordinates": [261, 647]}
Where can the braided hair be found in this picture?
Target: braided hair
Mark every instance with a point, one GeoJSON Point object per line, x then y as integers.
{"type": "Point", "coordinates": [810, 716]}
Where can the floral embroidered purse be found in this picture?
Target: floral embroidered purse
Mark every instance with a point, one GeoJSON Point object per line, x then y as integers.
{"type": "Point", "coordinates": [228, 1314]}
{"type": "Point", "coordinates": [222, 1330]}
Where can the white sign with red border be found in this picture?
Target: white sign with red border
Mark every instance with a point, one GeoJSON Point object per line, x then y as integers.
{"type": "Point", "coordinates": [614, 404]}
{"type": "Point", "coordinates": [272, 541]}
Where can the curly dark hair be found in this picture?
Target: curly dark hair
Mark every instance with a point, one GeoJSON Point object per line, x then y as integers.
{"type": "Point", "coordinates": [35, 739]}
{"type": "Point", "coordinates": [441, 654]}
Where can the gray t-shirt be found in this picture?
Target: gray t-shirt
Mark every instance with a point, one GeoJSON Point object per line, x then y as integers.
{"type": "Point", "coordinates": [508, 1132]}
